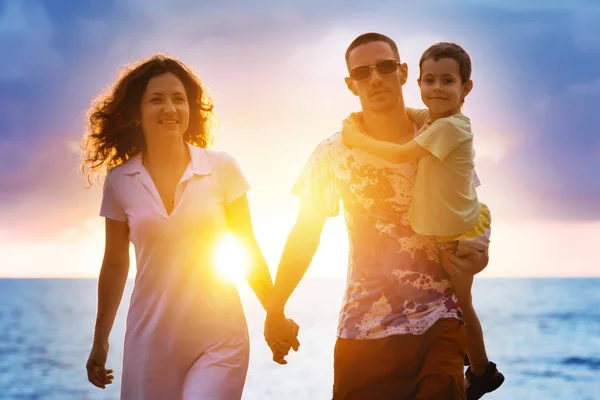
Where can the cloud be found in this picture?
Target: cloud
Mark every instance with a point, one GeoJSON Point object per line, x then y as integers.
{"type": "Point", "coordinates": [26, 34]}
{"type": "Point", "coordinates": [271, 62]}
{"type": "Point", "coordinates": [47, 194]}
{"type": "Point", "coordinates": [586, 29]}
{"type": "Point", "coordinates": [584, 89]}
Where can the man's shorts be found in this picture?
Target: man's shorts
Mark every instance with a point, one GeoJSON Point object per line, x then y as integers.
{"type": "Point", "coordinates": [417, 367]}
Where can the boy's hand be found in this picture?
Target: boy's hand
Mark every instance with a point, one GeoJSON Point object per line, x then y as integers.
{"type": "Point", "coordinates": [351, 138]}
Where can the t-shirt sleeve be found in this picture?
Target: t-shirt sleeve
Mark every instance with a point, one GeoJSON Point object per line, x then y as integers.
{"type": "Point", "coordinates": [110, 206]}
{"type": "Point", "coordinates": [317, 183]}
{"type": "Point", "coordinates": [418, 115]}
{"type": "Point", "coordinates": [443, 136]}
{"type": "Point", "coordinates": [476, 180]}
{"type": "Point", "coordinates": [234, 181]}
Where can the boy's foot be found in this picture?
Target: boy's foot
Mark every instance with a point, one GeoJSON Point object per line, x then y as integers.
{"type": "Point", "coordinates": [479, 385]}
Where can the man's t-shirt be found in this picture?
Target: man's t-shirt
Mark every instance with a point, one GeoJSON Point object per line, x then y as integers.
{"type": "Point", "coordinates": [395, 283]}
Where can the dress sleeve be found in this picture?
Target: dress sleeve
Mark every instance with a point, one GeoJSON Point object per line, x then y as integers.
{"type": "Point", "coordinates": [234, 181]}
{"type": "Point", "coordinates": [110, 206]}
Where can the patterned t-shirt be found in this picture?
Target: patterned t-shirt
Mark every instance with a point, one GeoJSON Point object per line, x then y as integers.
{"type": "Point", "coordinates": [395, 284]}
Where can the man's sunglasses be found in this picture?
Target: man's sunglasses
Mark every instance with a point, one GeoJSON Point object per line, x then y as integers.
{"type": "Point", "coordinates": [384, 67]}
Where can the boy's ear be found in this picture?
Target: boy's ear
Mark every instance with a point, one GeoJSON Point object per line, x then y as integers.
{"type": "Point", "coordinates": [467, 87]}
{"type": "Point", "coordinates": [350, 84]}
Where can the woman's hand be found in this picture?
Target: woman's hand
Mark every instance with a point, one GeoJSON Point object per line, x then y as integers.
{"type": "Point", "coordinates": [97, 373]}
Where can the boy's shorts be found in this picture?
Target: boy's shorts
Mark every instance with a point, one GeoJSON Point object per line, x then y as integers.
{"type": "Point", "coordinates": [477, 237]}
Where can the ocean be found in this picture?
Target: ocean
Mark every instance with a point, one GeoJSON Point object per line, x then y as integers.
{"type": "Point", "coordinates": [544, 334]}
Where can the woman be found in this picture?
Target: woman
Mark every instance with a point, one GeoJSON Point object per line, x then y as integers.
{"type": "Point", "coordinates": [186, 334]}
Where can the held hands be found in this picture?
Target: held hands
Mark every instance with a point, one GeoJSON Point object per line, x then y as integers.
{"type": "Point", "coordinates": [97, 373]}
{"type": "Point", "coordinates": [281, 335]}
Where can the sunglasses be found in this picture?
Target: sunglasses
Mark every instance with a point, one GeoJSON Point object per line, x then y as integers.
{"type": "Point", "coordinates": [384, 67]}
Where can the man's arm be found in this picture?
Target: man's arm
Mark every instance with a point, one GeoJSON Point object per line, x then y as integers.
{"type": "Point", "coordinates": [466, 259]}
{"type": "Point", "coordinates": [299, 249]}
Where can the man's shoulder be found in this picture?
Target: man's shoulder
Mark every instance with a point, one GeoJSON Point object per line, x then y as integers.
{"type": "Point", "coordinates": [329, 145]}
{"type": "Point", "coordinates": [334, 140]}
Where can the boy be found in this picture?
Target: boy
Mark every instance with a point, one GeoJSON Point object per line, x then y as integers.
{"type": "Point", "coordinates": [445, 202]}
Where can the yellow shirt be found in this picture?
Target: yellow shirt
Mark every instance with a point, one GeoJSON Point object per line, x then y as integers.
{"type": "Point", "coordinates": [444, 197]}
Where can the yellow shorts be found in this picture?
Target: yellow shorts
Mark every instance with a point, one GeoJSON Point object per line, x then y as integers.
{"type": "Point", "coordinates": [481, 231]}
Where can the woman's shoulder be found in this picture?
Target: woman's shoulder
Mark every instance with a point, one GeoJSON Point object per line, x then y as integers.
{"type": "Point", "coordinates": [215, 157]}
{"type": "Point", "coordinates": [131, 166]}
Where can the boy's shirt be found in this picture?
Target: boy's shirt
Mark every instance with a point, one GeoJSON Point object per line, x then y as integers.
{"type": "Point", "coordinates": [444, 197]}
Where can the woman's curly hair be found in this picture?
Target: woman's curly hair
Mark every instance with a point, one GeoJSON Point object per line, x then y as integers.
{"type": "Point", "coordinates": [112, 135]}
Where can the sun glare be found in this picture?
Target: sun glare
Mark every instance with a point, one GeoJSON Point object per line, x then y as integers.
{"type": "Point", "coordinates": [231, 259]}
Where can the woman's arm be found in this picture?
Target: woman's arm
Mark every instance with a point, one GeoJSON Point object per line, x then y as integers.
{"type": "Point", "coordinates": [111, 284]}
{"type": "Point", "coordinates": [113, 276]}
{"type": "Point", "coordinates": [240, 225]}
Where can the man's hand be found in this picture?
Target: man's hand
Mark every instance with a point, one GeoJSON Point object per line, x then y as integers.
{"type": "Point", "coordinates": [466, 259]}
{"type": "Point", "coordinates": [281, 335]}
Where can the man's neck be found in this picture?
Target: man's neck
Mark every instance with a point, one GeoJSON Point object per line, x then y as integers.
{"type": "Point", "coordinates": [393, 126]}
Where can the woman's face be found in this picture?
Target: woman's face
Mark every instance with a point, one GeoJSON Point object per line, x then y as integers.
{"type": "Point", "coordinates": [164, 108]}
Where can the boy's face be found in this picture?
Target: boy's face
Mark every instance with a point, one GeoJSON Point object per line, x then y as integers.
{"type": "Point", "coordinates": [441, 88]}
{"type": "Point", "coordinates": [382, 88]}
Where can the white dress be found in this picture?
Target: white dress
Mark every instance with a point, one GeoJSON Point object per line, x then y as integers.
{"type": "Point", "coordinates": [186, 335]}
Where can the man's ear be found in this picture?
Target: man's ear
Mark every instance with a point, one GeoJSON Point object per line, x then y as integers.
{"type": "Point", "coordinates": [403, 73]}
{"type": "Point", "coordinates": [350, 84]}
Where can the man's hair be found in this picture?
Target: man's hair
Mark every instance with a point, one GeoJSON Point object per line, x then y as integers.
{"type": "Point", "coordinates": [369, 38]}
{"type": "Point", "coordinates": [441, 50]}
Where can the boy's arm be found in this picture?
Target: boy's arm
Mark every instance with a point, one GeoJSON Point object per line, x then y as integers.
{"type": "Point", "coordinates": [417, 115]}
{"type": "Point", "coordinates": [392, 152]}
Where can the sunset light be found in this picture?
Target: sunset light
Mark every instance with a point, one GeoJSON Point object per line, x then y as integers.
{"type": "Point", "coordinates": [231, 259]}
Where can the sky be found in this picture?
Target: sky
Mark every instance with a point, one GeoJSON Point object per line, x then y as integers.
{"type": "Point", "coordinates": [275, 71]}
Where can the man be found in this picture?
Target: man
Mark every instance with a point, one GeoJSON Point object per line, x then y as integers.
{"type": "Point", "coordinates": [400, 332]}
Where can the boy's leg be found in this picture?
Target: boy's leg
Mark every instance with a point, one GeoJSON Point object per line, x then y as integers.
{"type": "Point", "coordinates": [462, 284]}
{"type": "Point", "coordinates": [482, 376]}
{"type": "Point", "coordinates": [475, 343]}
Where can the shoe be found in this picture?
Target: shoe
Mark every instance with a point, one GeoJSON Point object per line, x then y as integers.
{"type": "Point", "coordinates": [489, 381]}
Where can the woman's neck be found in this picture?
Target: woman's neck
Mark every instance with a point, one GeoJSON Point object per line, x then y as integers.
{"type": "Point", "coordinates": [166, 154]}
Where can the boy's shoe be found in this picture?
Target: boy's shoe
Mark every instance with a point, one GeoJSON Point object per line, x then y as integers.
{"type": "Point", "coordinates": [477, 386]}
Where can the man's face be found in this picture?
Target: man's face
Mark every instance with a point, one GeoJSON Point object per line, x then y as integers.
{"type": "Point", "coordinates": [380, 91]}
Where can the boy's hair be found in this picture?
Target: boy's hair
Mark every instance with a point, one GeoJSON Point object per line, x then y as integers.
{"type": "Point", "coordinates": [441, 50]}
{"type": "Point", "coordinates": [369, 38]}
